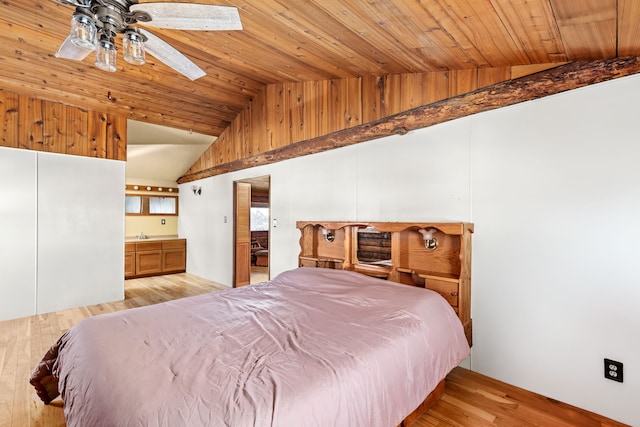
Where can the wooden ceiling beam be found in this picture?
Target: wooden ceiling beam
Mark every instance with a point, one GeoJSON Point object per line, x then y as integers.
{"type": "Point", "coordinates": [556, 80]}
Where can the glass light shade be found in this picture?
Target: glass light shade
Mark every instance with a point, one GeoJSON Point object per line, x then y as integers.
{"type": "Point", "coordinates": [133, 48]}
{"type": "Point", "coordinates": [83, 31]}
{"type": "Point", "coordinates": [106, 56]}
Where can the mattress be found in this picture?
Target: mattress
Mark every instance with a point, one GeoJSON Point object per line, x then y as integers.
{"type": "Point", "coordinates": [312, 347]}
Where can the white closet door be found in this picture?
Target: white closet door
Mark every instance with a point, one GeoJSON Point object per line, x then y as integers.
{"type": "Point", "coordinates": [17, 233]}
{"type": "Point", "coordinates": [80, 231]}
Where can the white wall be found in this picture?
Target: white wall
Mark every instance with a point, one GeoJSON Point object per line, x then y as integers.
{"type": "Point", "coordinates": [17, 233]}
{"type": "Point", "coordinates": [556, 198]}
{"type": "Point", "coordinates": [553, 188]}
{"type": "Point", "coordinates": [62, 232]}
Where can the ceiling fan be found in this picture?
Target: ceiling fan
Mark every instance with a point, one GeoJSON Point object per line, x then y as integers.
{"type": "Point", "coordinates": [96, 23]}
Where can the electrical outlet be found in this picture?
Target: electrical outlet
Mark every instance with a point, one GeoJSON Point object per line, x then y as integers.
{"type": "Point", "coordinates": [613, 370]}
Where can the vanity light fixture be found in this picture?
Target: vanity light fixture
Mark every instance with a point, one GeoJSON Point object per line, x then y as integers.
{"type": "Point", "coordinates": [430, 242]}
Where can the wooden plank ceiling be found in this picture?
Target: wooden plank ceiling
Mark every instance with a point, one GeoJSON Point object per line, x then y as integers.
{"type": "Point", "coordinates": [303, 40]}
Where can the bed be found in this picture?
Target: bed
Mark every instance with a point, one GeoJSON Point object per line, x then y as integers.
{"type": "Point", "coordinates": [312, 347]}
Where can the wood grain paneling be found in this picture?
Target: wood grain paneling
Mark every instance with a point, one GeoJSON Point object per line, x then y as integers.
{"type": "Point", "coordinates": [535, 34]}
{"type": "Point", "coordinates": [288, 113]}
{"type": "Point", "coordinates": [490, 76]}
{"type": "Point", "coordinates": [56, 127]}
{"type": "Point", "coordinates": [588, 27]}
{"type": "Point", "coordinates": [297, 71]}
{"type": "Point", "coordinates": [10, 119]}
{"type": "Point", "coordinates": [628, 27]}
{"type": "Point", "coordinates": [34, 124]}
{"type": "Point", "coordinates": [307, 41]}
{"type": "Point", "coordinates": [383, 98]}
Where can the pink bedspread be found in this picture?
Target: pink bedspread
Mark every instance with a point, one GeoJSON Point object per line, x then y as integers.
{"type": "Point", "coordinates": [313, 347]}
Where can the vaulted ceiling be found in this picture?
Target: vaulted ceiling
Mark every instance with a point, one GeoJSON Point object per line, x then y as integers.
{"type": "Point", "coordinates": [299, 40]}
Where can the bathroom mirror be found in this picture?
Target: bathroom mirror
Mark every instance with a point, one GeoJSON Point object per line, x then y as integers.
{"type": "Point", "coordinates": [150, 205]}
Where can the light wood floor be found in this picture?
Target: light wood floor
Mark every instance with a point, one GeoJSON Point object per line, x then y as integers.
{"type": "Point", "coordinates": [470, 399]}
{"type": "Point", "coordinates": [259, 274]}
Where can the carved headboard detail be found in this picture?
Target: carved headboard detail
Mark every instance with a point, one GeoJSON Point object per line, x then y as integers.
{"type": "Point", "coordinates": [435, 256]}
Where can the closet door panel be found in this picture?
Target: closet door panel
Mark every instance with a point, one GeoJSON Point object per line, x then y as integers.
{"type": "Point", "coordinates": [17, 233]}
{"type": "Point", "coordinates": [80, 231]}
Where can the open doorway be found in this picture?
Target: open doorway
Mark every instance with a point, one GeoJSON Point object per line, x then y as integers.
{"type": "Point", "coordinates": [252, 219]}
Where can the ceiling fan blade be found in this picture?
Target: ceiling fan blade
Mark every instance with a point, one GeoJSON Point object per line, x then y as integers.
{"type": "Point", "coordinates": [166, 53]}
{"type": "Point", "coordinates": [78, 3]}
{"type": "Point", "coordinates": [69, 50]}
{"type": "Point", "coordinates": [190, 16]}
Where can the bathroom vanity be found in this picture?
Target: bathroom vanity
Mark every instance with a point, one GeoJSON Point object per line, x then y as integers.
{"type": "Point", "coordinates": [153, 257]}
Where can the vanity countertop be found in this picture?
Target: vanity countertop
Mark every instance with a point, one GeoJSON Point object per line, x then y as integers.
{"type": "Point", "coordinates": [150, 238]}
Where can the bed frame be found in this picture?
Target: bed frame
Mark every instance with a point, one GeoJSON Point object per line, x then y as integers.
{"type": "Point", "coordinates": [434, 256]}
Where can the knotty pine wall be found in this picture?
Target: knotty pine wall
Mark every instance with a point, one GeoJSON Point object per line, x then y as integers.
{"type": "Point", "coordinates": [281, 115]}
{"type": "Point", "coordinates": [33, 124]}
{"type": "Point", "coordinates": [286, 113]}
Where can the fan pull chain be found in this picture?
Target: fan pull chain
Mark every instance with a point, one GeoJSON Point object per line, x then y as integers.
{"type": "Point", "coordinates": [109, 96]}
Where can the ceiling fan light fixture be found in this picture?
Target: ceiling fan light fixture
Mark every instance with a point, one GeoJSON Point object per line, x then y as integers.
{"type": "Point", "coordinates": [133, 47]}
{"type": "Point", "coordinates": [83, 30]}
{"type": "Point", "coordinates": [106, 54]}
{"type": "Point", "coordinates": [96, 23]}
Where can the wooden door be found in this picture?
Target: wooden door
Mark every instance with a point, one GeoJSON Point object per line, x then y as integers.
{"type": "Point", "coordinates": [242, 233]}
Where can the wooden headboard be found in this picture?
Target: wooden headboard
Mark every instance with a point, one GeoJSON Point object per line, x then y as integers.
{"type": "Point", "coordinates": [435, 256]}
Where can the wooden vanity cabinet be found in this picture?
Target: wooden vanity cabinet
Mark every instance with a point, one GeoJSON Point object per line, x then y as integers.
{"type": "Point", "coordinates": [129, 260]}
{"type": "Point", "coordinates": [174, 256]}
{"type": "Point", "coordinates": [148, 258]}
{"type": "Point", "coordinates": [155, 257]}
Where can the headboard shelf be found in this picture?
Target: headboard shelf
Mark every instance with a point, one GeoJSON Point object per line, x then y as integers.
{"type": "Point", "coordinates": [335, 263]}
{"type": "Point", "coordinates": [433, 255]}
{"type": "Point", "coordinates": [379, 271]}
{"type": "Point", "coordinates": [437, 276]}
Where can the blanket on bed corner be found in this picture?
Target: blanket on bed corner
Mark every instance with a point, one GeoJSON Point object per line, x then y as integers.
{"type": "Point", "coordinates": [42, 379]}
